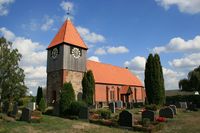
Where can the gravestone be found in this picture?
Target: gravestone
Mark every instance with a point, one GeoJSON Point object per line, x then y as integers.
{"type": "Point", "coordinates": [5, 107]}
{"type": "Point", "coordinates": [26, 114]}
{"type": "Point", "coordinates": [112, 107]}
{"type": "Point", "coordinates": [173, 108]}
{"type": "Point", "coordinates": [129, 105]}
{"type": "Point", "coordinates": [15, 110]}
{"type": "Point", "coordinates": [148, 114]}
{"type": "Point", "coordinates": [183, 105]}
{"type": "Point", "coordinates": [56, 109]}
{"type": "Point", "coordinates": [192, 107]}
{"type": "Point", "coordinates": [119, 104]}
{"type": "Point", "coordinates": [84, 113]}
{"type": "Point", "coordinates": [166, 112]}
{"type": "Point", "coordinates": [126, 119]}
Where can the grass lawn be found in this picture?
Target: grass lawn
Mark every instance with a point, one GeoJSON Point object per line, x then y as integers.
{"type": "Point", "coordinates": [184, 122]}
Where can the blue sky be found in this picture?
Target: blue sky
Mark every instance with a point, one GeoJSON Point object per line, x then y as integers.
{"type": "Point", "coordinates": [119, 32]}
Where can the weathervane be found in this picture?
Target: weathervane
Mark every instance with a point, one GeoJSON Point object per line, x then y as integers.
{"type": "Point", "coordinates": [68, 13]}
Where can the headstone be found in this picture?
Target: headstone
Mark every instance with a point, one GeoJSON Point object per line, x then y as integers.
{"type": "Point", "coordinates": [183, 105]}
{"type": "Point", "coordinates": [119, 104]}
{"type": "Point", "coordinates": [32, 106]}
{"type": "Point", "coordinates": [166, 112]}
{"type": "Point", "coordinates": [84, 113]}
{"type": "Point", "coordinates": [192, 107]}
{"type": "Point", "coordinates": [148, 114]}
{"type": "Point", "coordinates": [56, 109]}
{"type": "Point", "coordinates": [129, 105]}
{"type": "Point", "coordinates": [112, 107]}
{"type": "Point", "coordinates": [5, 107]}
{"type": "Point", "coordinates": [26, 114]}
{"type": "Point", "coordinates": [15, 110]}
{"type": "Point", "coordinates": [126, 119]}
{"type": "Point", "coordinates": [173, 108]}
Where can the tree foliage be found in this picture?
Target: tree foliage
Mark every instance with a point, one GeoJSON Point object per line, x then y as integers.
{"type": "Point", "coordinates": [39, 95]}
{"type": "Point", "coordinates": [192, 83]}
{"type": "Point", "coordinates": [42, 105]}
{"type": "Point", "coordinates": [12, 85]}
{"type": "Point", "coordinates": [154, 81]}
{"type": "Point", "coordinates": [88, 84]}
{"type": "Point", "coordinates": [67, 96]}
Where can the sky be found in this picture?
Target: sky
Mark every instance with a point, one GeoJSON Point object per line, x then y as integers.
{"type": "Point", "coordinates": [118, 32]}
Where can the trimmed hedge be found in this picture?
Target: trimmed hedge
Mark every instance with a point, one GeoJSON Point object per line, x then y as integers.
{"type": "Point", "coordinates": [104, 113]}
{"type": "Point", "coordinates": [152, 107]}
{"type": "Point", "coordinates": [195, 99]}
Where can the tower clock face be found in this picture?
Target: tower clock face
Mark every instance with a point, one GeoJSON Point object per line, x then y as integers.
{"type": "Point", "coordinates": [54, 53]}
{"type": "Point", "coordinates": [76, 53]}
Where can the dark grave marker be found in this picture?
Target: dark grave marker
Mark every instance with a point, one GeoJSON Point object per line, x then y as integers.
{"type": "Point", "coordinates": [148, 114]}
{"type": "Point", "coordinates": [84, 113]}
{"type": "Point", "coordinates": [166, 112]}
{"type": "Point", "coordinates": [15, 110]}
{"type": "Point", "coordinates": [126, 119]}
{"type": "Point", "coordinates": [26, 114]}
{"type": "Point", "coordinates": [112, 107]}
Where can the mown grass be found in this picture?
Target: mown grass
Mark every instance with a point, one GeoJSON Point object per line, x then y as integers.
{"type": "Point", "coordinates": [184, 122]}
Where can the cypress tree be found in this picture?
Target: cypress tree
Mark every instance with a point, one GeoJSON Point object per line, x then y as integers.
{"type": "Point", "coordinates": [42, 105]}
{"type": "Point", "coordinates": [88, 84]}
{"type": "Point", "coordinates": [67, 96]}
{"type": "Point", "coordinates": [91, 86]}
{"type": "Point", "coordinates": [154, 81]}
{"type": "Point", "coordinates": [39, 95]}
{"type": "Point", "coordinates": [149, 79]}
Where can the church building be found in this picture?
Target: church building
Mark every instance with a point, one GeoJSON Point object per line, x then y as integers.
{"type": "Point", "coordinates": [67, 61]}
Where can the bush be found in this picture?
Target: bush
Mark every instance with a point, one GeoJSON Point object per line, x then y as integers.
{"type": "Point", "coordinates": [24, 101]}
{"type": "Point", "coordinates": [152, 107]}
{"type": "Point", "coordinates": [66, 98]}
{"type": "Point", "coordinates": [42, 105]}
{"type": "Point", "coordinates": [104, 113]}
{"type": "Point", "coordinates": [75, 107]}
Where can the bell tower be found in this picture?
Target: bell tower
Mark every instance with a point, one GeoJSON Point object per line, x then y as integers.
{"type": "Point", "coordinates": [66, 61]}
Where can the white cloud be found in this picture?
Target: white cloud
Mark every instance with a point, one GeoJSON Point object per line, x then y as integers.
{"type": "Point", "coordinates": [4, 7]}
{"type": "Point", "coordinates": [172, 78]}
{"type": "Point", "coordinates": [94, 58]}
{"type": "Point", "coordinates": [89, 36]}
{"type": "Point", "coordinates": [100, 51]}
{"type": "Point", "coordinates": [179, 45]}
{"type": "Point", "coordinates": [189, 61]}
{"type": "Point", "coordinates": [7, 34]}
{"type": "Point", "coordinates": [187, 6]}
{"type": "Point", "coordinates": [117, 50]}
{"type": "Point", "coordinates": [136, 64]}
{"type": "Point", "coordinates": [33, 59]}
{"type": "Point", "coordinates": [48, 23]}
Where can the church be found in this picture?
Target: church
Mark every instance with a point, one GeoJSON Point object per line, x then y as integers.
{"type": "Point", "coordinates": [67, 61]}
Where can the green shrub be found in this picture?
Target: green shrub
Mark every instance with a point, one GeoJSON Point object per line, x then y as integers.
{"type": "Point", "coordinates": [153, 107]}
{"type": "Point", "coordinates": [75, 107]}
{"type": "Point", "coordinates": [104, 113]}
{"type": "Point", "coordinates": [42, 105]}
{"type": "Point", "coordinates": [66, 98]}
{"type": "Point", "coordinates": [24, 101]}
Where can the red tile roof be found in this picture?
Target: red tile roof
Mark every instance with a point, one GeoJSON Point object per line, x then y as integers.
{"type": "Point", "coordinates": [109, 74]}
{"type": "Point", "coordinates": [68, 34]}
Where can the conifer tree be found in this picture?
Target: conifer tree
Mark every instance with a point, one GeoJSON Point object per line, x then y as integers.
{"type": "Point", "coordinates": [154, 81]}
{"type": "Point", "coordinates": [42, 105]}
{"type": "Point", "coordinates": [67, 96]}
{"type": "Point", "coordinates": [39, 95]}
